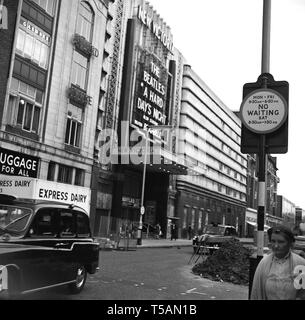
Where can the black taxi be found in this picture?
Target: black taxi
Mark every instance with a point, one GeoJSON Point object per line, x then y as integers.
{"type": "Point", "coordinates": [44, 244]}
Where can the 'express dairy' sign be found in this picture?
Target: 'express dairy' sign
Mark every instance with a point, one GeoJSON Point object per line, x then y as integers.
{"type": "Point", "coordinates": [18, 164]}
{"type": "Point", "coordinates": [45, 190]}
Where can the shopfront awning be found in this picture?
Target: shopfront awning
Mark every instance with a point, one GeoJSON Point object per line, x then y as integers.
{"type": "Point", "coordinates": [254, 224]}
{"type": "Point", "coordinates": [173, 218]}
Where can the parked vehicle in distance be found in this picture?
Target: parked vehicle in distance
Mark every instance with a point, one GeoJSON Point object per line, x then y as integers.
{"type": "Point", "coordinates": [299, 246]}
{"type": "Point", "coordinates": [213, 237]}
{"type": "Point", "coordinates": [44, 244]}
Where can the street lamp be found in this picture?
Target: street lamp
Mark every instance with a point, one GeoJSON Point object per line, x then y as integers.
{"type": "Point", "coordinates": [142, 210]}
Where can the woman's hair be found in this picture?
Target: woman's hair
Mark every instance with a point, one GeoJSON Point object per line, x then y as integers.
{"type": "Point", "coordinates": [285, 231]}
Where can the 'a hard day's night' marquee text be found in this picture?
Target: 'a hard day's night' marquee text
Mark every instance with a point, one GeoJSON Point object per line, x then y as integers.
{"type": "Point", "coordinates": [150, 103]}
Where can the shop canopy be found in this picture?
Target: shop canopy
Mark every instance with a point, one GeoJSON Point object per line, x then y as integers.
{"type": "Point", "coordinates": [160, 160]}
{"type": "Point", "coordinates": [254, 224]}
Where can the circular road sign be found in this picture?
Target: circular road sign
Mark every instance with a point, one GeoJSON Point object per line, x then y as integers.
{"type": "Point", "coordinates": [142, 211]}
{"type": "Point", "coordinates": [263, 111]}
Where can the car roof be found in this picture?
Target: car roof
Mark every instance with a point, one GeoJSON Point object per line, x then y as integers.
{"type": "Point", "coordinates": [30, 203]}
{"type": "Point", "coordinates": [224, 226]}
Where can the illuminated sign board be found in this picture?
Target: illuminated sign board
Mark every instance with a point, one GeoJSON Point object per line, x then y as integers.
{"type": "Point", "coordinates": [160, 30]}
{"type": "Point", "coordinates": [150, 98]}
{"type": "Point", "coordinates": [18, 164]}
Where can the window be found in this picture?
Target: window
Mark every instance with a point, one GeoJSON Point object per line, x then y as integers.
{"type": "Point", "coordinates": [25, 102]}
{"type": "Point", "coordinates": [79, 177]}
{"type": "Point", "coordinates": [47, 5]}
{"type": "Point", "coordinates": [200, 217]}
{"type": "Point", "coordinates": [44, 223]}
{"type": "Point", "coordinates": [79, 70]}
{"type": "Point", "coordinates": [67, 226]}
{"type": "Point", "coordinates": [51, 171]}
{"type": "Point", "coordinates": [33, 43]}
{"type": "Point", "coordinates": [73, 132]}
{"type": "Point", "coordinates": [65, 174]}
{"type": "Point", "coordinates": [83, 229]}
{"type": "Point", "coordinates": [85, 21]}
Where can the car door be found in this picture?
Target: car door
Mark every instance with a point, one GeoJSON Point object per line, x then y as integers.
{"type": "Point", "coordinates": [65, 243]}
{"type": "Point", "coordinates": [43, 264]}
{"type": "Point", "coordinates": [86, 251]}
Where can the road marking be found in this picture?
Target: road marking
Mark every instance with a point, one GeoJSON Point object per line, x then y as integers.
{"type": "Point", "coordinates": [195, 292]}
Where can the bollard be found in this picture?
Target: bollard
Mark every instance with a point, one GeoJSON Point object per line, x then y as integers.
{"type": "Point", "coordinates": [254, 261]}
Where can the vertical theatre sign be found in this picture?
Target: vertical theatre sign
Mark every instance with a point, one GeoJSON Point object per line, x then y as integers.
{"type": "Point", "coordinates": [160, 31]}
{"type": "Point", "coordinates": [150, 100]}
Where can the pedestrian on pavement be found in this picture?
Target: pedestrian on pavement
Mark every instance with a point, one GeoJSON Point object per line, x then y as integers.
{"type": "Point", "coordinates": [274, 276]}
{"type": "Point", "coordinates": [189, 231]}
{"type": "Point", "coordinates": [158, 231]}
{"type": "Point", "coordinates": [173, 231]}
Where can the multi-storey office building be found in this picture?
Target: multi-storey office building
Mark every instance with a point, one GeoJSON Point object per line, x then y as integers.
{"type": "Point", "coordinates": [50, 94]}
{"type": "Point", "coordinates": [286, 211]}
{"type": "Point", "coordinates": [210, 139]}
{"type": "Point", "coordinates": [272, 181]}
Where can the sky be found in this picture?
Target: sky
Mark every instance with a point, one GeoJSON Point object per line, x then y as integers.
{"type": "Point", "coordinates": [222, 41]}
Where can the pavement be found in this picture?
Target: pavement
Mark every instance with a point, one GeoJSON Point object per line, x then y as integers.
{"type": "Point", "coordinates": [163, 243]}
{"type": "Point", "coordinates": [154, 243]}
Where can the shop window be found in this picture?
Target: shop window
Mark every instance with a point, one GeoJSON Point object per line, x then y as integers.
{"type": "Point", "coordinates": [185, 214]}
{"type": "Point", "coordinates": [25, 103]}
{"type": "Point", "coordinates": [193, 218]}
{"type": "Point", "coordinates": [207, 219]}
{"type": "Point", "coordinates": [46, 5]}
{"type": "Point", "coordinates": [83, 229]}
{"type": "Point", "coordinates": [33, 43]}
{"type": "Point", "coordinates": [79, 70]}
{"type": "Point", "coordinates": [85, 21]}
{"type": "Point", "coordinates": [200, 219]}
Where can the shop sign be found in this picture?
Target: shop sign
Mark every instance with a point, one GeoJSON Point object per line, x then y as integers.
{"type": "Point", "coordinates": [130, 202]}
{"type": "Point", "coordinates": [35, 30]}
{"type": "Point", "coordinates": [38, 189]}
{"type": "Point", "coordinates": [160, 30]}
{"type": "Point", "coordinates": [150, 103]}
{"type": "Point", "coordinates": [18, 164]}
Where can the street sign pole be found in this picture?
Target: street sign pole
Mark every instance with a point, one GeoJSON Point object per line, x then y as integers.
{"type": "Point", "coordinates": [262, 141]}
{"type": "Point", "coordinates": [262, 148]}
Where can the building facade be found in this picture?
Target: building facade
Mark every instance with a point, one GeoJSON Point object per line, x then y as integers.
{"type": "Point", "coordinates": [50, 95]}
{"type": "Point", "coordinates": [209, 139]}
{"type": "Point", "coordinates": [286, 210]}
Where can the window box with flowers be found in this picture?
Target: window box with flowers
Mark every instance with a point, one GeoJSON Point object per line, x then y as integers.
{"type": "Point", "coordinates": [78, 97]}
{"type": "Point", "coordinates": [84, 46]}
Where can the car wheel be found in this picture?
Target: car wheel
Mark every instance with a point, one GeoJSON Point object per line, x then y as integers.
{"type": "Point", "coordinates": [80, 280]}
